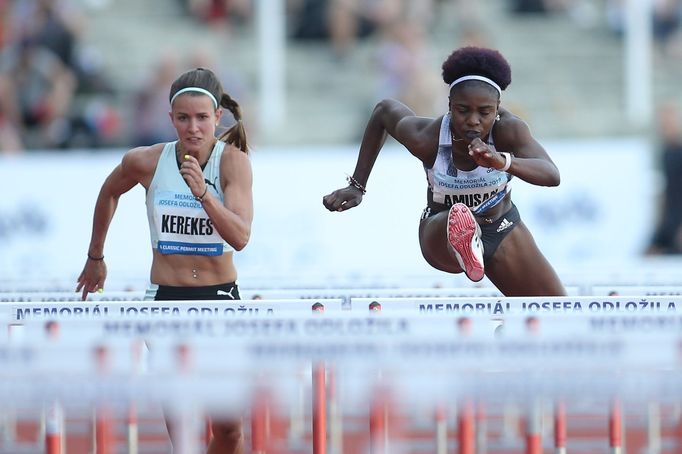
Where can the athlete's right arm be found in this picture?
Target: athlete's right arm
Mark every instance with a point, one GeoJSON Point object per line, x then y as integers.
{"type": "Point", "coordinates": [122, 179]}
{"type": "Point", "coordinates": [389, 117]}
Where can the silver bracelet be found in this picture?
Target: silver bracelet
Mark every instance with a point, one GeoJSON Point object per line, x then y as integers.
{"type": "Point", "coordinates": [507, 162]}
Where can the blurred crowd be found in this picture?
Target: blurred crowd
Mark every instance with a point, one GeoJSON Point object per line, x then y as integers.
{"type": "Point", "coordinates": [55, 92]}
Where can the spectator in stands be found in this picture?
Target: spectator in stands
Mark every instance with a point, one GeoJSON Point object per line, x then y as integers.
{"type": "Point", "coordinates": [42, 91]}
{"type": "Point", "coordinates": [199, 204]}
{"type": "Point", "coordinates": [666, 17]}
{"type": "Point", "coordinates": [343, 22]}
{"type": "Point", "coordinates": [234, 82]}
{"type": "Point", "coordinates": [402, 57]}
{"type": "Point", "coordinates": [528, 6]}
{"type": "Point", "coordinates": [667, 238]}
{"type": "Point", "coordinates": [150, 106]}
{"type": "Point", "coordinates": [54, 24]}
{"type": "Point", "coordinates": [219, 13]}
{"type": "Point", "coordinates": [470, 223]}
{"type": "Point", "coordinates": [350, 19]}
{"type": "Point", "coordinates": [10, 138]}
{"type": "Point", "coordinates": [583, 12]}
{"type": "Point", "coordinates": [5, 22]}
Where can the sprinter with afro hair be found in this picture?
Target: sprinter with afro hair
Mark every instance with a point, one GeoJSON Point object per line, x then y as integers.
{"type": "Point", "coordinates": [470, 155]}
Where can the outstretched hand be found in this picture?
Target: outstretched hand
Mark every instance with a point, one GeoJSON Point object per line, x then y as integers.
{"type": "Point", "coordinates": [485, 155]}
{"type": "Point", "coordinates": [92, 277]}
{"type": "Point", "coordinates": [343, 199]}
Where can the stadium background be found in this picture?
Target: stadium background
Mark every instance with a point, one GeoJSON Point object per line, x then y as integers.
{"type": "Point", "coordinates": [590, 77]}
{"type": "Point", "coordinates": [588, 84]}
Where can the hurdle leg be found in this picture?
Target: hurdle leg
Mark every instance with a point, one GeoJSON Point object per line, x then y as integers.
{"type": "Point", "coordinates": [54, 429]}
{"type": "Point", "coordinates": [654, 428]}
{"type": "Point", "coordinates": [133, 429]}
{"type": "Point", "coordinates": [677, 434]}
{"type": "Point", "coordinates": [559, 428]}
{"type": "Point", "coordinates": [335, 423]}
{"type": "Point", "coordinates": [378, 424]}
{"type": "Point", "coordinates": [534, 429]}
{"type": "Point", "coordinates": [259, 422]}
{"type": "Point", "coordinates": [441, 430]}
{"type": "Point", "coordinates": [510, 422]}
{"type": "Point", "coordinates": [9, 415]}
{"type": "Point", "coordinates": [615, 428]}
{"type": "Point", "coordinates": [104, 436]}
{"type": "Point", "coordinates": [481, 429]}
{"type": "Point", "coordinates": [297, 411]}
{"type": "Point", "coordinates": [319, 410]}
{"type": "Point", "coordinates": [465, 428]}
{"type": "Point", "coordinates": [9, 425]}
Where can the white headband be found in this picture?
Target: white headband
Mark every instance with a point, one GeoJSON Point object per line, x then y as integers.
{"type": "Point", "coordinates": [481, 78]}
{"type": "Point", "coordinates": [198, 90]}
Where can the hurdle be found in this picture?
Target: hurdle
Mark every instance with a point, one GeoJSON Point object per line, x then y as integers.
{"type": "Point", "coordinates": [30, 311]}
{"type": "Point", "coordinates": [319, 409]}
{"type": "Point", "coordinates": [54, 422]}
{"type": "Point", "coordinates": [465, 428]}
{"type": "Point", "coordinates": [399, 341]}
{"type": "Point", "coordinates": [440, 417]}
{"type": "Point", "coordinates": [559, 427]}
{"type": "Point", "coordinates": [615, 427]}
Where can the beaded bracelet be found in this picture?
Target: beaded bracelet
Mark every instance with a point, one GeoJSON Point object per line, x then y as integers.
{"type": "Point", "coordinates": [353, 182]}
{"type": "Point", "coordinates": [96, 259]}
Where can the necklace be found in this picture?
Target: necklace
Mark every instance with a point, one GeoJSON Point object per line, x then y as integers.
{"type": "Point", "coordinates": [452, 138]}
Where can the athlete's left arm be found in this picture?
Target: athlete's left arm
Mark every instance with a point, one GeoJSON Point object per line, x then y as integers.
{"type": "Point", "coordinates": [530, 162]}
{"type": "Point", "coordinates": [233, 218]}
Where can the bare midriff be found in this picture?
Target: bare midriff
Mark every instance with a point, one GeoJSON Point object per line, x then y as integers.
{"type": "Point", "coordinates": [192, 270]}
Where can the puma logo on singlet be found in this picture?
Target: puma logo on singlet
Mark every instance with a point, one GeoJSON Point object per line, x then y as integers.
{"type": "Point", "coordinates": [224, 293]}
{"type": "Point", "coordinates": [212, 184]}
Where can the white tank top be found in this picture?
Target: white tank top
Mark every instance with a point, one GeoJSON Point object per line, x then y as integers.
{"type": "Point", "coordinates": [178, 223]}
{"type": "Point", "coordinates": [479, 189]}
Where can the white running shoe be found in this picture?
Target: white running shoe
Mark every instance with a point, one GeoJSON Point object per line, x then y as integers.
{"type": "Point", "coordinates": [464, 235]}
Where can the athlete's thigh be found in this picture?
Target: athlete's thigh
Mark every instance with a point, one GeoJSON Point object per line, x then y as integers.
{"type": "Point", "coordinates": [518, 267]}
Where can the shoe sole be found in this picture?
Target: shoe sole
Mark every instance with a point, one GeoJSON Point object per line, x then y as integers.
{"type": "Point", "coordinates": [461, 229]}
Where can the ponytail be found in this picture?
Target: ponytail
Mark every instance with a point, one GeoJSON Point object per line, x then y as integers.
{"type": "Point", "coordinates": [236, 134]}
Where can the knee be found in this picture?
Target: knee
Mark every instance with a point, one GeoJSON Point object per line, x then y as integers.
{"type": "Point", "coordinates": [227, 431]}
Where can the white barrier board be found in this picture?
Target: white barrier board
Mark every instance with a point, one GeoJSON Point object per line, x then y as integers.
{"type": "Point", "coordinates": [47, 228]}
{"type": "Point", "coordinates": [17, 312]}
{"type": "Point", "coordinates": [497, 307]}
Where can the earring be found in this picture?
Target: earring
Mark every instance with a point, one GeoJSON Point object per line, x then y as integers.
{"type": "Point", "coordinates": [497, 118]}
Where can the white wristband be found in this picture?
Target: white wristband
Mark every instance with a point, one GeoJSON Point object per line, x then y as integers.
{"type": "Point", "coordinates": [507, 162]}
